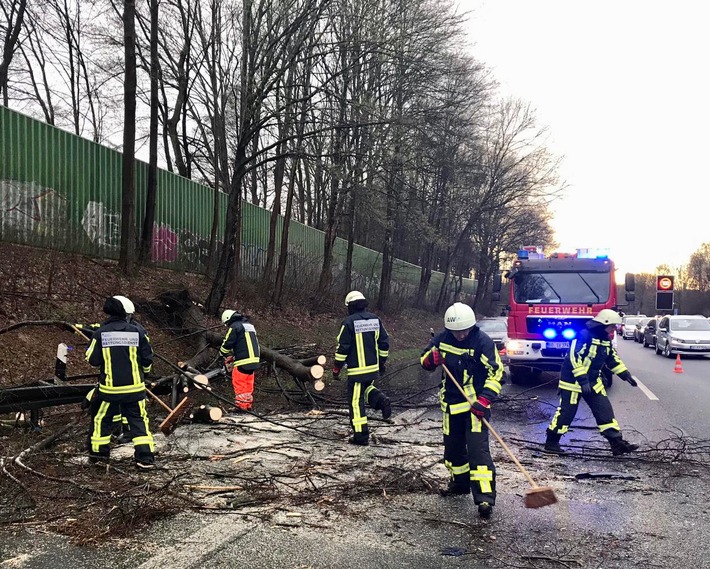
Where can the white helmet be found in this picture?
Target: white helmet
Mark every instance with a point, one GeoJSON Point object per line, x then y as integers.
{"type": "Point", "coordinates": [354, 295]}
{"type": "Point", "coordinates": [127, 304]}
{"type": "Point", "coordinates": [227, 314]}
{"type": "Point", "coordinates": [459, 316]}
{"type": "Point", "coordinates": [607, 317]}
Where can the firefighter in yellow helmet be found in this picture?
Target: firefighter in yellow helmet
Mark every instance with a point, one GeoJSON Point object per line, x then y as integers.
{"type": "Point", "coordinates": [241, 347]}
{"type": "Point", "coordinates": [581, 375]}
{"type": "Point", "coordinates": [472, 358]}
{"type": "Point", "coordinates": [363, 346]}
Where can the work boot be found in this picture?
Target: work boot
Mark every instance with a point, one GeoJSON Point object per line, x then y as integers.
{"type": "Point", "coordinates": [552, 444]}
{"type": "Point", "coordinates": [620, 446]}
{"type": "Point", "coordinates": [145, 463]}
{"type": "Point", "coordinates": [386, 410]}
{"type": "Point", "coordinates": [359, 442]}
{"type": "Point", "coordinates": [485, 510]}
{"type": "Point", "coordinates": [454, 489]}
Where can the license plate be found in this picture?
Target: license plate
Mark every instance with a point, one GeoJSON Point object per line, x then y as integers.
{"type": "Point", "coordinates": [698, 347]}
{"type": "Point", "coordinates": [558, 345]}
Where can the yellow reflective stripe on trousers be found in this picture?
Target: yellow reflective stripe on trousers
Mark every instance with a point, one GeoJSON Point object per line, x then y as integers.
{"type": "Point", "coordinates": [96, 439]}
{"type": "Point", "coordinates": [358, 420]}
{"type": "Point", "coordinates": [148, 438]}
{"type": "Point", "coordinates": [613, 425]}
{"type": "Point", "coordinates": [445, 423]}
{"type": "Point", "coordinates": [484, 476]}
{"type": "Point", "coordinates": [463, 469]}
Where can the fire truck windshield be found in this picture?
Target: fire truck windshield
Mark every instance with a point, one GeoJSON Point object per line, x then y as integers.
{"type": "Point", "coordinates": [561, 288]}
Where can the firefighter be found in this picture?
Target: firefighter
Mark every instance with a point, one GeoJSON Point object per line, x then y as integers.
{"type": "Point", "coordinates": [121, 433]}
{"type": "Point", "coordinates": [363, 347]}
{"type": "Point", "coordinates": [240, 348]}
{"type": "Point", "coordinates": [581, 374]}
{"type": "Point", "coordinates": [122, 352]}
{"type": "Point", "coordinates": [472, 358]}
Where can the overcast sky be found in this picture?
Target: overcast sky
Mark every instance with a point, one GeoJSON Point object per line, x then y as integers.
{"type": "Point", "coordinates": [624, 88]}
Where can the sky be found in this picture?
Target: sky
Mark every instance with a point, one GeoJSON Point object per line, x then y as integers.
{"type": "Point", "coordinates": [624, 89]}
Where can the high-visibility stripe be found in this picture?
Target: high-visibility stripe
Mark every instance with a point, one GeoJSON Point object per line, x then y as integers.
{"type": "Point", "coordinates": [360, 345]}
{"type": "Point", "coordinates": [121, 389]}
{"type": "Point", "coordinates": [97, 440]}
{"type": "Point", "coordinates": [135, 368]}
{"type": "Point", "coordinates": [567, 386]}
{"type": "Point", "coordinates": [446, 423]}
{"type": "Point", "coordinates": [613, 425]}
{"type": "Point", "coordinates": [363, 370]}
{"type": "Point", "coordinates": [463, 469]}
{"type": "Point", "coordinates": [454, 350]}
{"type": "Point", "coordinates": [108, 366]}
{"type": "Point", "coordinates": [484, 476]}
{"type": "Point", "coordinates": [90, 350]}
{"type": "Point", "coordinates": [358, 420]}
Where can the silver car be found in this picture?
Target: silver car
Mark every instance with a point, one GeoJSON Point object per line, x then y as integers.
{"type": "Point", "coordinates": [497, 330]}
{"type": "Point", "coordinates": [683, 335]}
{"type": "Point", "coordinates": [628, 324]}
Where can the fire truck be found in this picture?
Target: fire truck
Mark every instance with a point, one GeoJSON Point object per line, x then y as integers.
{"type": "Point", "coordinates": [550, 300]}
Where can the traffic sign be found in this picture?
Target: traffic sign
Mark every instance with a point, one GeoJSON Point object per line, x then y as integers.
{"type": "Point", "coordinates": [664, 300]}
{"type": "Point", "coordinates": [664, 283]}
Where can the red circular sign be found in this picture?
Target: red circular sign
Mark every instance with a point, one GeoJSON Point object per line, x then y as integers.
{"type": "Point", "coordinates": [665, 283]}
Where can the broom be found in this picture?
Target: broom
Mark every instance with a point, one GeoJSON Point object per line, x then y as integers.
{"type": "Point", "coordinates": [535, 497]}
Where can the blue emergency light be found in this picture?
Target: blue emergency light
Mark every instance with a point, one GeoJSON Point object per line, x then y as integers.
{"type": "Point", "coordinates": [550, 333]}
{"type": "Point", "coordinates": [568, 334]}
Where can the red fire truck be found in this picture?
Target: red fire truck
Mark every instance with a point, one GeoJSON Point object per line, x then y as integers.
{"type": "Point", "coordinates": [550, 299]}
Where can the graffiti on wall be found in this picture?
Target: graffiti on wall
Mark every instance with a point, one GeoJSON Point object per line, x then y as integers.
{"type": "Point", "coordinates": [164, 248]}
{"type": "Point", "coordinates": [27, 209]}
{"type": "Point", "coordinates": [102, 227]}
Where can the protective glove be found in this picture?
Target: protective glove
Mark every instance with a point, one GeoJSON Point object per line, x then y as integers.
{"type": "Point", "coordinates": [481, 408]}
{"type": "Point", "coordinates": [336, 372]}
{"type": "Point", "coordinates": [383, 368]}
{"type": "Point", "coordinates": [628, 378]}
{"type": "Point", "coordinates": [586, 388]}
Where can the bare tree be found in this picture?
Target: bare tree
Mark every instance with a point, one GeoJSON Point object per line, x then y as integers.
{"type": "Point", "coordinates": [11, 27]}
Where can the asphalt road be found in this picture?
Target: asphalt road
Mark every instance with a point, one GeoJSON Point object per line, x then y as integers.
{"type": "Point", "coordinates": [682, 397]}
{"type": "Point", "coordinates": [643, 511]}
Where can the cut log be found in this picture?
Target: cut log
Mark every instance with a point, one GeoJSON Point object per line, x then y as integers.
{"type": "Point", "coordinates": [320, 360]}
{"type": "Point", "coordinates": [206, 414]}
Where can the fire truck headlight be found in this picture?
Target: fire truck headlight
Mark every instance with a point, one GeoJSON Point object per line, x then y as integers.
{"type": "Point", "coordinates": [550, 333]}
{"type": "Point", "coordinates": [568, 333]}
{"type": "Point", "coordinates": [514, 345]}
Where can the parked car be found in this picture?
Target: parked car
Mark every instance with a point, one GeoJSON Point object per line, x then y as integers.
{"type": "Point", "coordinates": [639, 329]}
{"type": "Point", "coordinates": [497, 329]}
{"type": "Point", "coordinates": [627, 326]}
{"type": "Point", "coordinates": [682, 335]}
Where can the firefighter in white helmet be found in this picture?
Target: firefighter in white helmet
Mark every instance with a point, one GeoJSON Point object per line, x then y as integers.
{"type": "Point", "coordinates": [472, 358]}
{"type": "Point", "coordinates": [581, 375]}
{"type": "Point", "coordinates": [363, 346]}
{"type": "Point", "coordinates": [241, 347]}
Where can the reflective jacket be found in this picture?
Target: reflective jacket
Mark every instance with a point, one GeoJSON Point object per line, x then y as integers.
{"type": "Point", "coordinates": [122, 352]}
{"type": "Point", "coordinates": [588, 354]}
{"type": "Point", "coordinates": [241, 341]}
{"type": "Point", "coordinates": [475, 363]}
{"type": "Point", "coordinates": [363, 345]}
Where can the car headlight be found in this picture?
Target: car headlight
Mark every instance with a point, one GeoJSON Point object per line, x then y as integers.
{"type": "Point", "coordinates": [675, 341]}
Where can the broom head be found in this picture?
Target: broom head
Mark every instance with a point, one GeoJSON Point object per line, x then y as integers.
{"type": "Point", "coordinates": [539, 497]}
{"type": "Point", "coordinates": [168, 425]}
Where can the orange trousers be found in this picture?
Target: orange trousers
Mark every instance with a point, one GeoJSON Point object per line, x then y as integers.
{"type": "Point", "coordinates": [243, 384]}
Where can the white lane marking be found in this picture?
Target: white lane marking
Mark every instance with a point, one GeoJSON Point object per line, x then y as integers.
{"type": "Point", "coordinates": [646, 390]}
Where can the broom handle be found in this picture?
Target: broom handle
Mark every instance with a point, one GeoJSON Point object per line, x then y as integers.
{"type": "Point", "coordinates": [492, 430]}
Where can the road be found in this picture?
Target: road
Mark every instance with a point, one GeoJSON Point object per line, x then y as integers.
{"type": "Point", "coordinates": [682, 397]}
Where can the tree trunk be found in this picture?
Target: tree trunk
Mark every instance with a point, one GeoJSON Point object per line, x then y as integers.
{"type": "Point", "coordinates": [127, 258]}
{"type": "Point", "coordinates": [152, 189]}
